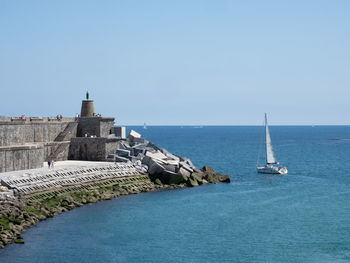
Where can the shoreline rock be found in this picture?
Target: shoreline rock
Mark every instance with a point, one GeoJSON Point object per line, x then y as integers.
{"type": "Point", "coordinates": [21, 213]}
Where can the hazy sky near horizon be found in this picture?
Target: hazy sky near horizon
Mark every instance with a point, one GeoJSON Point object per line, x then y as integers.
{"type": "Point", "coordinates": [178, 62]}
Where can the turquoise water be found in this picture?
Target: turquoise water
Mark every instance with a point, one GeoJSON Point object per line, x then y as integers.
{"type": "Point", "coordinates": [301, 217]}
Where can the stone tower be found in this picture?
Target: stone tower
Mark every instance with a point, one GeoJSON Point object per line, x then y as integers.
{"type": "Point", "coordinates": [87, 107]}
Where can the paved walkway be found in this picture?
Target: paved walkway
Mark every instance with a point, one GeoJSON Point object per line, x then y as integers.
{"type": "Point", "coordinates": [59, 165]}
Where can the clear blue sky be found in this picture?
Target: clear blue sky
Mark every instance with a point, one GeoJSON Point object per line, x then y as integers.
{"type": "Point", "coordinates": [178, 62]}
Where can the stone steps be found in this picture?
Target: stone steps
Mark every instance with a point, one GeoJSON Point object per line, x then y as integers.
{"type": "Point", "coordinates": [31, 183]}
{"type": "Point", "coordinates": [62, 136]}
{"type": "Point", "coordinates": [130, 182]}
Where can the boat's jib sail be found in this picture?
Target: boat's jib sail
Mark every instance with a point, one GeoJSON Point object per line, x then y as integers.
{"type": "Point", "coordinates": [270, 156]}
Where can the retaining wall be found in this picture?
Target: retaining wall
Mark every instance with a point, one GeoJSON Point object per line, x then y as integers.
{"type": "Point", "coordinates": [92, 149]}
{"type": "Point", "coordinates": [22, 157]}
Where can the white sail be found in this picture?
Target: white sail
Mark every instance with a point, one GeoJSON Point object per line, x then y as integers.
{"type": "Point", "coordinates": [270, 156]}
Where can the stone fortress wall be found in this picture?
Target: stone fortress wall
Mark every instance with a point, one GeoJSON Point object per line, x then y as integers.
{"type": "Point", "coordinates": [14, 131]}
{"type": "Point", "coordinates": [25, 143]}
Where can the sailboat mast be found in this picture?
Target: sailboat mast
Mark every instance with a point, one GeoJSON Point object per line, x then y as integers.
{"type": "Point", "coordinates": [270, 156]}
{"type": "Point", "coordinates": [266, 135]}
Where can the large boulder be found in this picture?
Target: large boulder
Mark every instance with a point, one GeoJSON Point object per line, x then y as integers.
{"type": "Point", "coordinates": [184, 172]}
{"type": "Point", "coordinates": [208, 170]}
{"type": "Point", "coordinates": [173, 162]}
{"type": "Point", "coordinates": [170, 155]}
{"type": "Point", "coordinates": [224, 178]}
{"type": "Point", "coordinates": [211, 178]}
{"type": "Point", "coordinates": [198, 178]}
{"type": "Point", "coordinates": [133, 134]}
{"type": "Point", "coordinates": [145, 160]}
{"type": "Point", "coordinates": [192, 181]}
{"type": "Point", "coordinates": [186, 167]}
{"type": "Point", "coordinates": [123, 152]}
{"type": "Point", "coordinates": [156, 155]}
{"type": "Point", "coordinates": [137, 151]}
{"type": "Point", "coordinates": [153, 146]}
{"type": "Point", "coordinates": [140, 156]}
{"type": "Point", "coordinates": [154, 168]}
{"type": "Point", "coordinates": [187, 161]}
{"type": "Point", "coordinates": [168, 177]}
{"type": "Point", "coordinates": [170, 167]}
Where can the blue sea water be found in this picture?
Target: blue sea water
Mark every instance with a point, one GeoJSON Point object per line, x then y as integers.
{"type": "Point", "coordinates": [301, 217]}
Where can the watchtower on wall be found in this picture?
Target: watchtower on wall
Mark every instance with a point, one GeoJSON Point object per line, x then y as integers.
{"type": "Point", "coordinates": [96, 137]}
{"type": "Point", "coordinates": [93, 125]}
{"type": "Point", "coordinates": [87, 107]}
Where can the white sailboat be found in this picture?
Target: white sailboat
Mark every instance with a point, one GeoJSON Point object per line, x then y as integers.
{"type": "Point", "coordinates": [144, 126]}
{"type": "Point", "coordinates": [272, 166]}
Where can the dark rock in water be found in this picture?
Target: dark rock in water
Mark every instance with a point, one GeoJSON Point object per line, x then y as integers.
{"type": "Point", "coordinates": [168, 177]}
{"type": "Point", "coordinates": [199, 179]}
{"type": "Point", "coordinates": [224, 178]}
{"type": "Point", "coordinates": [175, 178]}
{"type": "Point", "coordinates": [208, 170]}
{"type": "Point", "coordinates": [211, 178]}
{"type": "Point", "coordinates": [192, 181]}
{"type": "Point", "coordinates": [19, 240]}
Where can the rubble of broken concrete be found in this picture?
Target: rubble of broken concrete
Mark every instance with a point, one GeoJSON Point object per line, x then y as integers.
{"type": "Point", "coordinates": [163, 166]}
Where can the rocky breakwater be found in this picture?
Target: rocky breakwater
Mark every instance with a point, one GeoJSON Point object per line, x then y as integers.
{"type": "Point", "coordinates": [140, 166]}
{"type": "Point", "coordinates": [17, 214]}
{"type": "Point", "coordinates": [162, 166]}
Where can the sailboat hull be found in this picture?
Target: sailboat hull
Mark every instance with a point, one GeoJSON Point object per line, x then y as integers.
{"type": "Point", "coordinates": [269, 169]}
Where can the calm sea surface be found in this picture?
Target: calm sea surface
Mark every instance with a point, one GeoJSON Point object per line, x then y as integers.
{"type": "Point", "coordinates": [301, 217]}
